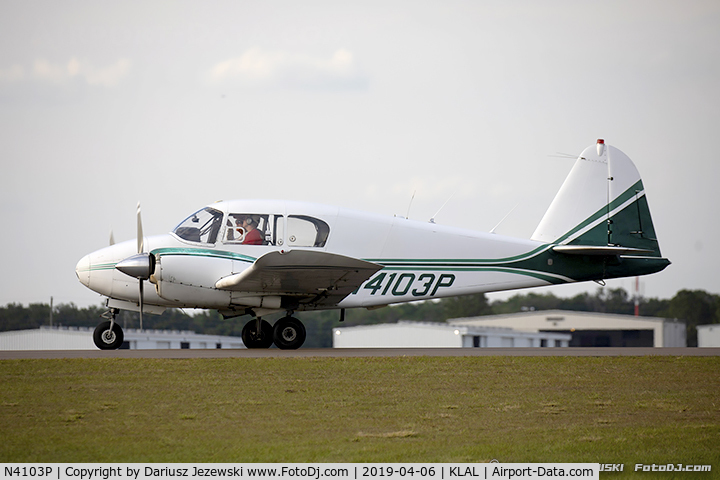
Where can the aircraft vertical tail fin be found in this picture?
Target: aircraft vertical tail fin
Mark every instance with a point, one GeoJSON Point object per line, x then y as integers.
{"type": "Point", "coordinates": [601, 203]}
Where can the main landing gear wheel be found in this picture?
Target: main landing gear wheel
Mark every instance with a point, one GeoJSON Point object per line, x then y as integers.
{"type": "Point", "coordinates": [289, 333]}
{"type": "Point", "coordinates": [107, 338]}
{"type": "Point", "coordinates": [254, 339]}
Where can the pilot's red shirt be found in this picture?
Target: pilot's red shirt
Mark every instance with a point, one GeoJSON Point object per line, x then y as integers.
{"type": "Point", "coordinates": [253, 237]}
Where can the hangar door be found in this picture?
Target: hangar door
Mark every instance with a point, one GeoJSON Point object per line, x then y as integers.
{"type": "Point", "coordinates": [609, 338]}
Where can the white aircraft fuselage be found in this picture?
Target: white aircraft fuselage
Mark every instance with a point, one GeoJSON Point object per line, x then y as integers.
{"type": "Point", "coordinates": [420, 260]}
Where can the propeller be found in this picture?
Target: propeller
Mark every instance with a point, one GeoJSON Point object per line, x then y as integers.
{"type": "Point", "coordinates": [140, 265]}
{"type": "Point", "coordinates": [139, 231]}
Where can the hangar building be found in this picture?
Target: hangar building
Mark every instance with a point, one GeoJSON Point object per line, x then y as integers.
{"type": "Point", "coordinates": [589, 329]}
{"type": "Point", "coordinates": [406, 334]}
{"type": "Point", "coordinates": [708, 335]}
{"type": "Point", "coordinates": [80, 338]}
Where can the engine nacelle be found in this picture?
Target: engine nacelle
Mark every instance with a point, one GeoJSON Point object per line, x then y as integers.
{"type": "Point", "coordinates": [190, 279]}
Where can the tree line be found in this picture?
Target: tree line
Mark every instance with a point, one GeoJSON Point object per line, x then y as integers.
{"type": "Point", "coordinates": [694, 307]}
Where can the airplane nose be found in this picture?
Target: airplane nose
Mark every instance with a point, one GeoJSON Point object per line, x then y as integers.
{"type": "Point", "coordinates": [82, 270]}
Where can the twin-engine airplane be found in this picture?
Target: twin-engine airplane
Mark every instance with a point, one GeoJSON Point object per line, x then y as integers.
{"type": "Point", "coordinates": [257, 257]}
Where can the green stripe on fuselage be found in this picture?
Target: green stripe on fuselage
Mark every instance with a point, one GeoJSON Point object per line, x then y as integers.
{"type": "Point", "coordinates": [202, 252]}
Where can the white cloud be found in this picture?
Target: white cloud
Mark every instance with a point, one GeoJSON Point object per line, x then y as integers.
{"type": "Point", "coordinates": [13, 73]}
{"type": "Point", "coordinates": [44, 71]}
{"type": "Point", "coordinates": [109, 76]}
{"type": "Point", "coordinates": [257, 67]}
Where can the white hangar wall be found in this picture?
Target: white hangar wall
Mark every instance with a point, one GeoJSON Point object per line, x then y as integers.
{"type": "Point", "coordinates": [406, 334]}
{"type": "Point", "coordinates": [46, 338]}
{"type": "Point", "coordinates": [618, 330]}
{"type": "Point", "coordinates": [79, 338]}
{"type": "Point", "coordinates": [708, 335]}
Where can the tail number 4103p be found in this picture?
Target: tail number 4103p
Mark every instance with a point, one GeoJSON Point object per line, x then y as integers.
{"type": "Point", "coordinates": [401, 284]}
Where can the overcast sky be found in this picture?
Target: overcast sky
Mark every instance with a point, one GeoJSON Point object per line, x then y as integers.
{"type": "Point", "coordinates": [178, 104]}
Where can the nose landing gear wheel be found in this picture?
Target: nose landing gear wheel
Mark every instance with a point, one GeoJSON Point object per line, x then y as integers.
{"type": "Point", "coordinates": [289, 333]}
{"type": "Point", "coordinates": [252, 338]}
{"type": "Point", "coordinates": [107, 338]}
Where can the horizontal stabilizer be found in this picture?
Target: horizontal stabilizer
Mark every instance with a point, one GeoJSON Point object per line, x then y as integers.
{"type": "Point", "coordinates": [599, 250]}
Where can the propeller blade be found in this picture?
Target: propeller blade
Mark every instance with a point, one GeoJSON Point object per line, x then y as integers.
{"type": "Point", "coordinates": [141, 303]}
{"type": "Point", "coordinates": [138, 266]}
{"type": "Point", "coordinates": [112, 238]}
{"type": "Point", "coordinates": [140, 244]}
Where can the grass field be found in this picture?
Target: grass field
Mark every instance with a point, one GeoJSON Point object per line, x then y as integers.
{"type": "Point", "coordinates": [464, 409]}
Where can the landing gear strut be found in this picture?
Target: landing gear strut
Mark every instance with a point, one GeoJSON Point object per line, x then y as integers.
{"type": "Point", "coordinates": [109, 335]}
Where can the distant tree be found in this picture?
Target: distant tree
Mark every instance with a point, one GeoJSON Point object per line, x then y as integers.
{"type": "Point", "coordinates": [17, 317]}
{"type": "Point", "coordinates": [171, 319]}
{"type": "Point", "coordinates": [606, 301]}
{"type": "Point", "coordinates": [525, 302]}
{"type": "Point", "coordinates": [582, 302]}
{"type": "Point", "coordinates": [654, 307]}
{"type": "Point", "coordinates": [616, 300]}
{"type": "Point", "coordinates": [694, 307]}
{"type": "Point", "coordinates": [466, 306]}
{"type": "Point", "coordinates": [70, 315]}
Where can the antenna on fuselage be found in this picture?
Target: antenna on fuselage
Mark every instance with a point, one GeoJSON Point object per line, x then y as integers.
{"type": "Point", "coordinates": [566, 155]}
{"type": "Point", "coordinates": [503, 219]}
{"type": "Point", "coordinates": [411, 200]}
{"type": "Point", "coordinates": [432, 219]}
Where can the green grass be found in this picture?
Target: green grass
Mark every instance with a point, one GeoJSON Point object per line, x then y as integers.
{"type": "Point", "coordinates": [420, 409]}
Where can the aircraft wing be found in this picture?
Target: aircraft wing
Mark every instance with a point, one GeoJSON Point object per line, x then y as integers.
{"type": "Point", "coordinates": [320, 277]}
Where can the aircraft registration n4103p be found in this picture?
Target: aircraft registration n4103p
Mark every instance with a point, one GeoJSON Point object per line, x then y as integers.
{"type": "Point", "coordinates": [258, 257]}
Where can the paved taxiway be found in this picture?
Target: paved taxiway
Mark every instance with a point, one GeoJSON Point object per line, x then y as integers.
{"type": "Point", "coordinates": [363, 352]}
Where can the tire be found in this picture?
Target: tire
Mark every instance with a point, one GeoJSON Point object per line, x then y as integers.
{"type": "Point", "coordinates": [252, 339]}
{"type": "Point", "coordinates": [106, 339]}
{"type": "Point", "coordinates": [289, 333]}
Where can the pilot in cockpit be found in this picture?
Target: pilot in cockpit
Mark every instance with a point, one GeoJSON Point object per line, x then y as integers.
{"type": "Point", "coordinates": [252, 234]}
{"type": "Point", "coordinates": [245, 230]}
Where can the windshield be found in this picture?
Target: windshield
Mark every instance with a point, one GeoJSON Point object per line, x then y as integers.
{"type": "Point", "coordinates": [200, 227]}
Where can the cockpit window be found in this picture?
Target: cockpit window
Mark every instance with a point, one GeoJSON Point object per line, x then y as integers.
{"type": "Point", "coordinates": [201, 227]}
{"type": "Point", "coordinates": [248, 229]}
{"type": "Point", "coordinates": [306, 231]}
{"type": "Point", "coordinates": [270, 229]}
